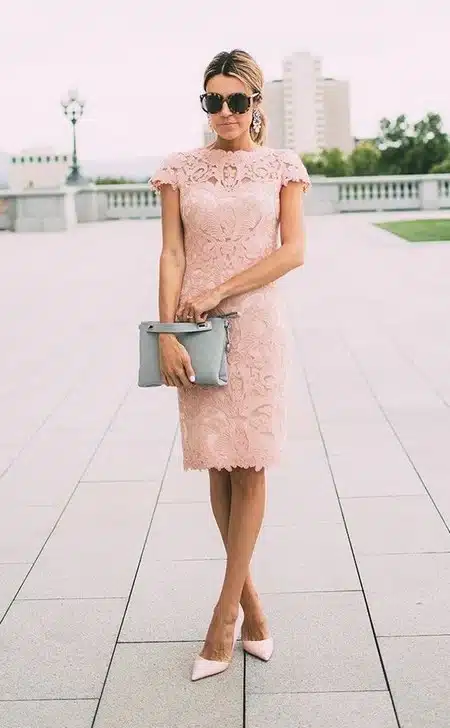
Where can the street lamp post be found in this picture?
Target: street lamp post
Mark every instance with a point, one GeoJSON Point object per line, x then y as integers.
{"type": "Point", "coordinates": [73, 110]}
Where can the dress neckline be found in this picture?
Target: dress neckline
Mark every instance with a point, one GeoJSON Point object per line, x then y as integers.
{"type": "Point", "coordinates": [226, 152]}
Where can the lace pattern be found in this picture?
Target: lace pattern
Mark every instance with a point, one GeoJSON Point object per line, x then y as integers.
{"type": "Point", "coordinates": [229, 204]}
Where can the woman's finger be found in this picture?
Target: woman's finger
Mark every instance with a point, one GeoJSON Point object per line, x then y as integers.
{"type": "Point", "coordinates": [198, 315]}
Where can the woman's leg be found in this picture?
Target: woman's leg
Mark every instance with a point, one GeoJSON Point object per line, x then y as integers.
{"type": "Point", "coordinates": [246, 511]}
{"type": "Point", "coordinates": [220, 494]}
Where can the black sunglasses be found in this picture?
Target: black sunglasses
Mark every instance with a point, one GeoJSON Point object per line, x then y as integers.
{"type": "Point", "coordinates": [238, 103]}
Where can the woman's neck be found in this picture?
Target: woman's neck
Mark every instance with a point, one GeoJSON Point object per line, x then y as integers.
{"type": "Point", "coordinates": [241, 144]}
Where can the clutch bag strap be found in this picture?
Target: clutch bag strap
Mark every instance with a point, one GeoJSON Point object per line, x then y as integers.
{"type": "Point", "coordinates": [178, 327]}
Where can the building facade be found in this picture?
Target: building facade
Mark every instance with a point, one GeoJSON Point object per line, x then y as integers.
{"type": "Point", "coordinates": [306, 112]}
{"type": "Point", "coordinates": [38, 169]}
{"type": "Point", "coordinates": [337, 115]}
{"type": "Point", "coordinates": [273, 104]}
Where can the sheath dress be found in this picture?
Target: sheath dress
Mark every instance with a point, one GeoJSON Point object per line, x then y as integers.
{"type": "Point", "coordinates": [230, 204]}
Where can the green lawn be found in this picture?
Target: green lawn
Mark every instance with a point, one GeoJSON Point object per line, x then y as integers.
{"type": "Point", "coordinates": [418, 231]}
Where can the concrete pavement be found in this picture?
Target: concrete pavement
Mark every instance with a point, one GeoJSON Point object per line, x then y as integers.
{"type": "Point", "coordinates": [109, 559]}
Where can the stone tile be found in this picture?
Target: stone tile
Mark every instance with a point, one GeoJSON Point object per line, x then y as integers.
{"type": "Point", "coordinates": [408, 594]}
{"type": "Point", "coordinates": [354, 403]}
{"type": "Point", "coordinates": [172, 600]}
{"type": "Point", "coordinates": [149, 685]}
{"type": "Point", "coordinates": [323, 643]}
{"type": "Point", "coordinates": [181, 486]}
{"type": "Point", "coordinates": [114, 519]}
{"type": "Point", "coordinates": [11, 577]}
{"type": "Point", "coordinates": [7, 455]}
{"type": "Point", "coordinates": [23, 531]}
{"type": "Point", "coordinates": [39, 478]}
{"type": "Point", "coordinates": [363, 473]}
{"type": "Point", "coordinates": [320, 710]}
{"type": "Point", "coordinates": [126, 461]}
{"type": "Point", "coordinates": [357, 467]}
{"type": "Point", "coordinates": [402, 524]}
{"type": "Point", "coordinates": [47, 713]}
{"type": "Point", "coordinates": [293, 502]}
{"type": "Point", "coordinates": [308, 557]}
{"type": "Point", "coordinates": [184, 531]}
{"type": "Point", "coordinates": [417, 671]}
{"type": "Point", "coordinates": [302, 486]}
{"type": "Point", "coordinates": [57, 648]}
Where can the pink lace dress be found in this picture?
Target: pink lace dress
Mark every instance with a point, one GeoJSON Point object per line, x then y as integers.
{"type": "Point", "coordinates": [230, 206]}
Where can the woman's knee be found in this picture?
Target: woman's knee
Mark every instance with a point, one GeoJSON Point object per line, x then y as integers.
{"type": "Point", "coordinates": [248, 482]}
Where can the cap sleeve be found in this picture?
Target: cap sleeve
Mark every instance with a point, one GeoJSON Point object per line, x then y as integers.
{"type": "Point", "coordinates": [293, 169]}
{"type": "Point", "coordinates": [167, 173]}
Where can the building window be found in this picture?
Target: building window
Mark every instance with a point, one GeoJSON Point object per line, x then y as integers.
{"type": "Point", "coordinates": [48, 159]}
{"type": "Point", "coordinates": [31, 159]}
{"type": "Point", "coordinates": [57, 158]}
{"type": "Point", "coordinates": [65, 158]}
{"type": "Point", "coordinates": [13, 160]}
{"type": "Point", "coordinates": [39, 159]}
{"type": "Point", "coordinates": [22, 159]}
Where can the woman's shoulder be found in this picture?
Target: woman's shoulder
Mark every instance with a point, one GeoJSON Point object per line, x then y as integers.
{"type": "Point", "coordinates": [180, 158]}
{"type": "Point", "coordinates": [173, 169]}
{"type": "Point", "coordinates": [291, 167]}
{"type": "Point", "coordinates": [284, 154]}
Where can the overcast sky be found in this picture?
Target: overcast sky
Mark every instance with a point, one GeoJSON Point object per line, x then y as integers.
{"type": "Point", "coordinates": [139, 64]}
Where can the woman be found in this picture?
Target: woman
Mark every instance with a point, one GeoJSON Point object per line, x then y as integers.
{"type": "Point", "coordinates": [222, 207]}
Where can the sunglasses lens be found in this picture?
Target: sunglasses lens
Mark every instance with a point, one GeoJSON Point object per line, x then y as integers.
{"type": "Point", "coordinates": [212, 103]}
{"type": "Point", "coordinates": [238, 103]}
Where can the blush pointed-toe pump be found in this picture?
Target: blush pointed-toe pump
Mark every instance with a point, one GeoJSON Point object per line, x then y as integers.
{"type": "Point", "coordinates": [207, 668]}
{"type": "Point", "coordinates": [259, 648]}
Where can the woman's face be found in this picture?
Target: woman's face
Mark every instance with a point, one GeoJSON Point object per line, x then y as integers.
{"type": "Point", "coordinates": [227, 125]}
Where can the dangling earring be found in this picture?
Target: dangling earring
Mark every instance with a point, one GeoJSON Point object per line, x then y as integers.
{"type": "Point", "coordinates": [210, 123]}
{"type": "Point", "coordinates": [256, 121]}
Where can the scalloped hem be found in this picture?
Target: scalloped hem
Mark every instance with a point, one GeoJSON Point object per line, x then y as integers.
{"type": "Point", "coordinates": [296, 178]}
{"type": "Point", "coordinates": [257, 466]}
{"type": "Point", "coordinates": [156, 184]}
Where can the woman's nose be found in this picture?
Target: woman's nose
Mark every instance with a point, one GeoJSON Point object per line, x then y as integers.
{"type": "Point", "coordinates": [226, 109]}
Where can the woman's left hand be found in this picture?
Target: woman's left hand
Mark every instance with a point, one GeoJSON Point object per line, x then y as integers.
{"type": "Point", "coordinates": [197, 308]}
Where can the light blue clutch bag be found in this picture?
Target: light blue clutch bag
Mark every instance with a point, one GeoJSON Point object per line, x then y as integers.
{"type": "Point", "coordinates": [207, 344]}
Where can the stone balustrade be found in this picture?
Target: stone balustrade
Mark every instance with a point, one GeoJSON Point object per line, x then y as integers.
{"type": "Point", "coordinates": [60, 209]}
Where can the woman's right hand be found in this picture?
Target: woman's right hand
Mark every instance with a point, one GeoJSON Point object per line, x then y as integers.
{"type": "Point", "coordinates": [175, 363]}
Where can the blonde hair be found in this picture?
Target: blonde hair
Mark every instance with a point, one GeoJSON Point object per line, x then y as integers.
{"type": "Point", "coordinates": [240, 64]}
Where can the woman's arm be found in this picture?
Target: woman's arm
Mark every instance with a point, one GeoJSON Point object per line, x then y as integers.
{"type": "Point", "coordinates": [277, 264]}
{"type": "Point", "coordinates": [176, 367]}
{"type": "Point", "coordinates": [172, 260]}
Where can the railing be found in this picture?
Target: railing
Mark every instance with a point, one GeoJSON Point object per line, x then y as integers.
{"type": "Point", "coordinates": [61, 208]}
{"type": "Point", "coordinates": [327, 195]}
{"type": "Point", "coordinates": [378, 194]}
{"type": "Point", "coordinates": [444, 191]}
{"type": "Point", "coordinates": [130, 201]}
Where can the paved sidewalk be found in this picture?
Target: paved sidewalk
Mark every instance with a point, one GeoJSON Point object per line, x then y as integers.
{"type": "Point", "coordinates": [109, 558]}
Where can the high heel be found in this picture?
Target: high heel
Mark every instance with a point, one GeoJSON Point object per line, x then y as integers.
{"type": "Point", "coordinates": [259, 648]}
{"type": "Point", "coordinates": [207, 668]}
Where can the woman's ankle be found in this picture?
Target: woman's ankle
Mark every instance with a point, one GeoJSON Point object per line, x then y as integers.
{"type": "Point", "coordinates": [226, 613]}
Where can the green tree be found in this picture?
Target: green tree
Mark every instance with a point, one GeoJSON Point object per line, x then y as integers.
{"type": "Point", "coordinates": [430, 145]}
{"type": "Point", "coordinates": [411, 149]}
{"type": "Point", "coordinates": [392, 143]}
{"type": "Point", "coordinates": [114, 181]}
{"type": "Point", "coordinates": [442, 167]}
{"type": "Point", "coordinates": [335, 163]}
{"type": "Point", "coordinates": [365, 159]}
{"type": "Point", "coordinates": [314, 163]}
